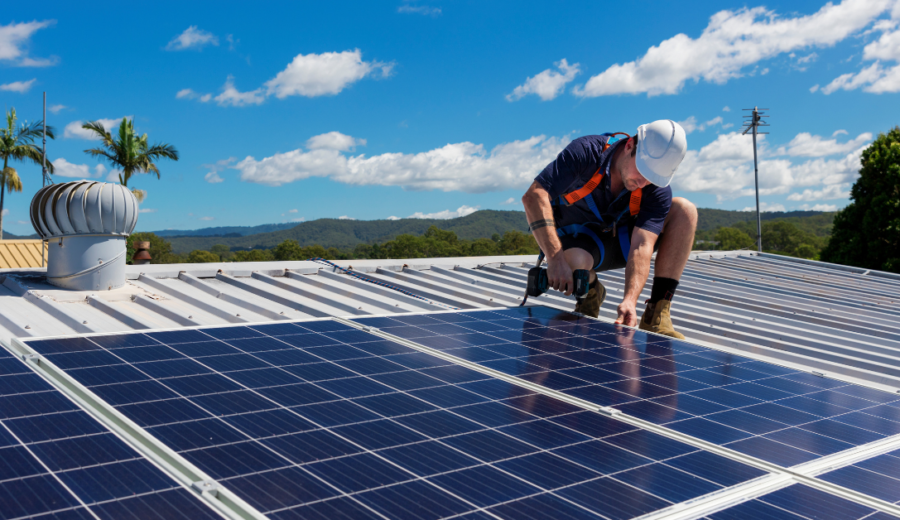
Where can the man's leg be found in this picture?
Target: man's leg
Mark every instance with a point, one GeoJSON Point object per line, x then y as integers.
{"type": "Point", "coordinates": [675, 245]}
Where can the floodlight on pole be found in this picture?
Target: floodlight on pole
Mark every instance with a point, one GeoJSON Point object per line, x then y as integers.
{"type": "Point", "coordinates": [753, 125]}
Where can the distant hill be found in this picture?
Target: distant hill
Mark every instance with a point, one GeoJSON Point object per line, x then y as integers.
{"type": "Point", "coordinates": [10, 236]}
{"type": "Point", "coordinates": [346, 234]}
{"type": "Point", "coordinates": [225, 231]}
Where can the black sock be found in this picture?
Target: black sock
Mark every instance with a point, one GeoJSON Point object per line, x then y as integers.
{"type": "Point", "coordinates": [663, 289]}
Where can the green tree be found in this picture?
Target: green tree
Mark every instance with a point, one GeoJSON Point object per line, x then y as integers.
{"type": "Point", "coordinates": [288, 250]}
{"type": "Point", "coordinates": [253, 255]}
{"type": "Point", "coordinates": [160, 248]}
{"type": "Point", "coordinates": [17, 144]}
{"type": "Point", "coordinates": [199, 256]}
{"type": "Point", "coordinates": [731, 239]}
{"type": "Point", "coordinates": [129, 152]}
{"type": "Point", "coordinates": [866, 233]}
{"type": "Point", "coordinates": [221, 250]}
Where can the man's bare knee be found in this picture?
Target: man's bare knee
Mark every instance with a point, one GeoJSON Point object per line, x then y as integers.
{"type": "Point", "coordinates": [684, 212]}
{"type": "Point", "coordinates": [578, 258]}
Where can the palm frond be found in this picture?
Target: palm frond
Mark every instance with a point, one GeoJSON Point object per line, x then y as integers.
{"type": "Point", "coordinates": [100, 130]}
{"type": "Point", "coordinates": [140, 195]}
{"type": "Point", "coordinates": [10, 179]}
{"type": "Point", "coordinates": [163, 151]}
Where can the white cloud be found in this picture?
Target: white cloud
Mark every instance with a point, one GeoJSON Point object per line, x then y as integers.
{"type": "Point", "coordinates": [508, 201]}
{"type": "Point", "coordinates": [187, 93]}
{"type": "Point", "coordinates": [325, 74]}
{"type": "Point", "coordinates": [732, 40]}
{"type": "Point", "coordinates": [819, 207]}
{"type": "Point", "coordinates": [64, 168]}
{"type": "Point", "coordinates": [5, 212]}
{"type": "Point", "coordinates": [462, 211]}
{"type": "Point", "coordinates": [392, 217]}
{"type": "Point", "coordinates": [460, 166]}
{"type": "Point", "coordinates": [726, 109]}
{"type": "Point", "coordinates": [835, 191]}
{"type": "Point", "coordinates": [18, 86]}
{"type": "Point", "coordinates": [212, 176]}
{"type": "Point", "coordinates": [192, 38]}
{"type": "Point", "coordinates": [875, 78]}
{"type": "Point", "coordinates": [765, 206]}
{"type": "Point", "coordinates": [73, 130]}
{"type": "Point", "coordinates": [113, 176]}
{"type": "Point", "coordinates": [805, 144]}
{"type": "Point", "coordinates": [806, 60]}
{"type": "Point", "coordinates": [301, 219]}
{"type": "Point", "coordinates": [147, 210]}
{"type": "Point", "coordinates": [231, 96]}
{"type": "Point", "coordinates": [55, 109]}
{"type": "Point", "coordinates": [207, 218]}
{"type": "Point", "coordinates": [345, 217]}
{"type": "Point", "coordinates": [725, 168]}
{"type": "Point", "coordinates": [690, 124]}
{"type": "Point", "coordinates": [292, 211]}
{"type": "Point", "coordinates": [419, 9]}
{"type": "Point", "coordinates": [547, 84]}
{"type": "Point", "coordinates": [813, 89]}
{"type": "Point", "coordinates": [839, 132]}
{"type": "Point", "coordinates": [334, 141]}
{"type": "Point", "coordinates": [14, 39]}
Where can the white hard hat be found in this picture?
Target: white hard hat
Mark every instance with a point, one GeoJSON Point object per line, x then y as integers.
{"type": "Point", "coordinates": [661, 147]}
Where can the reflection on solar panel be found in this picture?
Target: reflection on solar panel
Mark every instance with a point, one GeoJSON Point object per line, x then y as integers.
{"type": "Point", "coordinates": [56, 460]}
{"type": "Point", "coordinates": [318, 418]}
{"type": "Point", "coordinates": [799, 502]}
{"type": "Point", "coordinates": [766, 411]}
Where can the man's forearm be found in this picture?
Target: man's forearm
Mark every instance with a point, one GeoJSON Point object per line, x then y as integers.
{"type": "Point", "coordinates": [539, 213]}
{"type": "Point", "coordinates": [636, 272]}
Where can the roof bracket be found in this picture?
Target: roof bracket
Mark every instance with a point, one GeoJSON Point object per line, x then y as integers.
{"type": "Point", "coordinates": [206, 486]}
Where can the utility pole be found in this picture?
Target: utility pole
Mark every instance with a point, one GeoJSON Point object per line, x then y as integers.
{"type": "Point", "coordinates": [753, 124]}
{"type": "Point", "coordinates": [44, 168]}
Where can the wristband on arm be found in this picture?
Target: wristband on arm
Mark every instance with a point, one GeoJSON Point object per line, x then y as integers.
{"type": "Point", "coordinates": [538, 224]}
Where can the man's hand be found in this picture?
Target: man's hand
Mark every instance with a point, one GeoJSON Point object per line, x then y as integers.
{"type": "Point", "coordinates": [559, 274]}
{"type": "Point", "coordinates": [627, 314]}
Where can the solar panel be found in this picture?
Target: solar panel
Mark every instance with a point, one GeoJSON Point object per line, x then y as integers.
{"type": "Point", "coordinates": [878, 477]}
{"type": "Point", "coordinates": [777, 414]}
{"type": "Point", "coordinates": [317, 419]}
{"type": "Point", "coordinates": [799, 502]}
{"type": "Point", "coordinates": [56, 460]}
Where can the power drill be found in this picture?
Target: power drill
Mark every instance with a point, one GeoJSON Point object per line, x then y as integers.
{"type": "Point", "coordinates": [538, 282]}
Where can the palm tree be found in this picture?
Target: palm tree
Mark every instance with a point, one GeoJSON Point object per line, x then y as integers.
{"type": "Point", "coordinates": [129, 152]}
{"type": "Point", "coordinates": [18, 144]}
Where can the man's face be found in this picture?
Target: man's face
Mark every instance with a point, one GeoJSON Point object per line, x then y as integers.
{"type": "Point", "coordinates": [631, 177]}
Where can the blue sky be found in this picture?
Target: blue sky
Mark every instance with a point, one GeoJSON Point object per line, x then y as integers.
{"type": "Point", "coordinates": [373, 110]}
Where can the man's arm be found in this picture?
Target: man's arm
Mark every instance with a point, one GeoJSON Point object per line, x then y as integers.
{"type": "Point", "coordinates": [540, 218]}
{"type": "Point", "coordinates": [636, 272]}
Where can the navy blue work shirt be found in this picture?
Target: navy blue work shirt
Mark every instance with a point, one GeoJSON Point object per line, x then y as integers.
{"type": "Point", "coordinates": [575, 166]}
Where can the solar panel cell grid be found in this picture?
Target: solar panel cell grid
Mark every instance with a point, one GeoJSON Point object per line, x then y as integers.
{"type": "Point", "coordinates": [58, 462]}
{"type": "Point", "coordinates": [878, 477]}
{"type": "Point", "coordinates": [798, 502]}
{"type": "Point", "coordinates": [778, 414]}
{"type": "Point", "coordinates": [365, 425]}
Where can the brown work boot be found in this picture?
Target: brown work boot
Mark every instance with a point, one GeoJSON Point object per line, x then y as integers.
{"type": "Point", "coordinates": [656, 319]}
{"type": "Point", "coordinates": [590, 304]}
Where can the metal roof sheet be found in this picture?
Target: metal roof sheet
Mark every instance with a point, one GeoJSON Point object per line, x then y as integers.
{"type": "Point", "coordinates": [833, 320]}
{"type": "Point", "coordinates": [21, 253]}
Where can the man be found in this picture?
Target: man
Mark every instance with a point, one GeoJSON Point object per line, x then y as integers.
{"type": "Point", "coordinates": [602, 206]}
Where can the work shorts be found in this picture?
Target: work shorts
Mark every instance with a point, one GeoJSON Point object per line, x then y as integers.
{"type": "Point", "coordinates": [610, 253]}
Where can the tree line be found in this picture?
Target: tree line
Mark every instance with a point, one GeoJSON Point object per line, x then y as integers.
{"type": "Point", "coordinates": [434, 243]}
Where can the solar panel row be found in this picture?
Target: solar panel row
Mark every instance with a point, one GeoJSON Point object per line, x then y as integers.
{"type": "Point", "coordinates": [317, 419]}
{"type": "Point", "coordinates": [58, 462]}
{"type": "Point", "coordinates": [773, 413]}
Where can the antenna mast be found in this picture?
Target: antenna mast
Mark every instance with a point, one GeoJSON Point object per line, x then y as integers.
{"type": "Point", "coordinates": [753, 124]}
